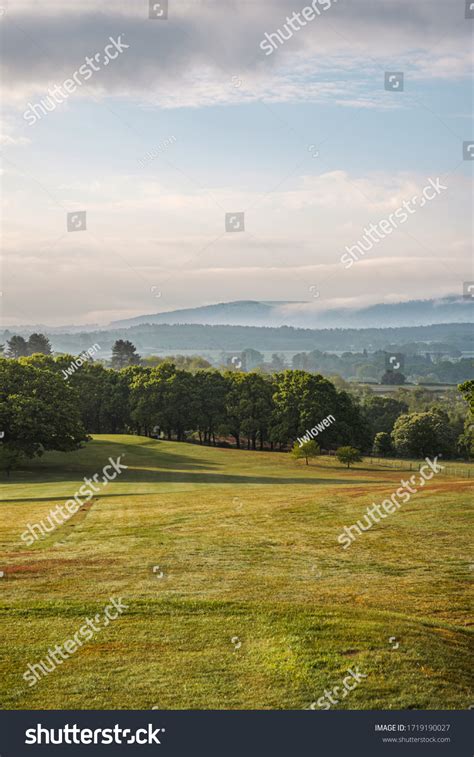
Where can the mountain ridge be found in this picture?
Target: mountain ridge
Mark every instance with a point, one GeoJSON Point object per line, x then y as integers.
{"type": "Point", "coordinates": [451, 309]}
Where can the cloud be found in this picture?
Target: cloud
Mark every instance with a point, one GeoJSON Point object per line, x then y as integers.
{"type": "Point", "coordinates": [8, 138]}
{"type": "Point", "coordinates": [190, 59]}
{"type": "Point", "coordinates": [146, 235]}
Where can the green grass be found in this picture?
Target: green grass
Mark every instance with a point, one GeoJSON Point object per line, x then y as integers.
{"type": "Point", "coordinates": [247, 542]}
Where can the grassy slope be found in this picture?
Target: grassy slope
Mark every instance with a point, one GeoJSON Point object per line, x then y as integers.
{"type": "Point", "coordinates": [247, 544]}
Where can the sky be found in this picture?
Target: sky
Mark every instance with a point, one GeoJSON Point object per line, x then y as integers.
{"type": "Point", "coordinates": [192, 118]}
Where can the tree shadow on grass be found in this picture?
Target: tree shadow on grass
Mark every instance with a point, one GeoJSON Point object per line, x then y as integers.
{"type": "Point", "coordinates": [212, 479]}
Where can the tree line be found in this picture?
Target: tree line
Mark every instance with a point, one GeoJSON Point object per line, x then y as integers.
{"type": "Point", "coordinates": [41, 409]}
{"type": "Point", "coordinates": [362, 366]}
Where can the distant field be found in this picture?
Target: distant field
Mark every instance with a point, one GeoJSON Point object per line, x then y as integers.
{"type": "Point", "coordinates": [258, 605]}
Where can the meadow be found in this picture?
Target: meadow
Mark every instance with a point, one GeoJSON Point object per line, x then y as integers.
{"type": "Point", "coordinates": [239, 595]}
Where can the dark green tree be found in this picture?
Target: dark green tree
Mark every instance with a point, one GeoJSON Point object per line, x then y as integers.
{"type": "Point", "coordinates": [208, 396]}
{"type": "Point", "coordinates": [39, 343]}
{"type": "Point", "coordinates": [380, 413]}
{"type": "Point", "coordinates": [17, 347]}
{"type": "Point", "coordinates": [382, 444]}
{"type": "Point", "coordinates": [393, 377]}
{"type": "Point", "coordinates": [38, 412]}
{"type": "Point", "coordinates": [124, 353]}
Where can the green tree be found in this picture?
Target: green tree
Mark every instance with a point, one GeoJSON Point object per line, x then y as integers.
{"type": "Point", "coordinates": [382, 444]}
{"type": "Point", "coordinates": [208, 392]}
{"type": "Point", "coordinates": [124, 353]}
{"type": "Point", "coordinates": [393, 377]}
{"type": "Point", "coordinates": [465, 443]}
{"type": "Point", "coordinates": [348, 455]}
{"type": "Point", "coordinates": [38, 412]}
{"type": "Point", "coordinates": [17, 347]}
{"type": "Point", "coordinates": [165, 397]}
{"type": "Point", "coordinates": [277, 363]}
{"type": "Point", "coordinates": [423, 434]}
{"type": "Point", "coordinates": [39, 343]}
{"type": "Point", "coordinates": [380, 413]}
{"type": "Point", "coordinates": [306, 450]}
{"type": "Point", "coordinates": [255, 407]}
{"type": "Point", "coordinates": [251, 359]}
{"type": "Point", "coordinates": [467, 391]}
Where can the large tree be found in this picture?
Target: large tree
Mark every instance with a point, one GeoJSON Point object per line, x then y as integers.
{"type": "Point", "coordinates": [38, 412]}
{"type": "Point", "coordinates": [382, 444]}
{"type": "Point", "coordinates": [423, 434]}
{"type": "Point", "coordinates": [209, 398]}
{"type": "Point", "coordinates": [124, 353]}
{"type": "Point", "coordinates": [467, 391]}
{"type": "Point", "coordinates": [39, 343]}
{"type": "Point", "coordinates": [17, 347]}
{"type": "Point", "coordinates": [380, 413]}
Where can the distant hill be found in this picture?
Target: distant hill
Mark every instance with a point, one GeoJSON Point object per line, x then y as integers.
{"type": "Point", "coordinates": [159, 339]}
{"type": "Point", "coordinates": [308, 315]}
{"type": "Point", "coordinates": [239, 313]}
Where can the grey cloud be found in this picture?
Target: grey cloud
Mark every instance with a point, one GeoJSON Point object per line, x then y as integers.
{"type": "Point", "coordinates": [43, 47]}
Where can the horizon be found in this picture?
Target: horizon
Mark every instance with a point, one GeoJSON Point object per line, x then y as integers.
{"type": "Point", "coordinates": [285, 312]}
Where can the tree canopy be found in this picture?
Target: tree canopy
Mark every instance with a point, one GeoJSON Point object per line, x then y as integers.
{"type": "Point", "coordinates": [38, 412]}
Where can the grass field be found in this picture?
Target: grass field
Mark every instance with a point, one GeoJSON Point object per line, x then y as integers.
{"type": "Point", "coordinates": [254, 603]}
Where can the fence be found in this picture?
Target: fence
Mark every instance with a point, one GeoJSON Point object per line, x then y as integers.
{"type": "Point", "coordinates": [449, 469]}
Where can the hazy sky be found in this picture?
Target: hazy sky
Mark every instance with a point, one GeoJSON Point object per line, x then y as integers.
{"type": "Point", "coordinates": [306, 141]}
